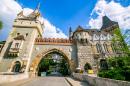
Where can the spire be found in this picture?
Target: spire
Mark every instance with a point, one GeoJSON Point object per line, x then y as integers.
{"type": "Point", "coordinates": [70, 29]}
{"type": "Point", "coordinates": [38, 7]}
{"type": "Point", "coordinates": [21, 12]}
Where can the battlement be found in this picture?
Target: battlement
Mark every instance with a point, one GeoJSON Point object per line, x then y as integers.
{"type": "Point", "coordinates": [54, 41]}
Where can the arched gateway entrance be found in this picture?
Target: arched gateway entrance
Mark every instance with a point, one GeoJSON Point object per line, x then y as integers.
{"type": "Point", "coordinates": [36, 61]}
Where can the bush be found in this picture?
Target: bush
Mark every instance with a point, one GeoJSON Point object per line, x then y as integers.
{"type": "Point", "coordinates": [112, 74]}
{"type": "Point", "coordinates": [49, 72]}
{"type": "Point", "coordinates": [64, 72]}
{"type": "Point", "coordinates": [39, 73]}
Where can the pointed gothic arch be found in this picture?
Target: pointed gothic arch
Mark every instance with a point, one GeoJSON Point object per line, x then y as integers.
{"type": "Point", "coordinates": [36, 61]}
{"type": "Point", "coordinates": [10, 68]}
{"type": "Point", "coordinates": [87, 66]}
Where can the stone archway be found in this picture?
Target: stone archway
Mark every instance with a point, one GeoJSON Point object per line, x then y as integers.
{"type": "Point", "coordinates": [87, 66]}
{"type": "Point", "coordinates": [13, 63]}
{"type": "Point", "coordinates": [36, 61]}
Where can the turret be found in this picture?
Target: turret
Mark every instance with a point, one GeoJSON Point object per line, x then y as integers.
{"type": "Point", "coordinates": [70, 34]}
{"type": "Point", "coordinates": [108, 25]}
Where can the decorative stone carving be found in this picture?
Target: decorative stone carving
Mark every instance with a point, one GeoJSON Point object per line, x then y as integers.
{"type": "Point", "coordinates": [16, 46]}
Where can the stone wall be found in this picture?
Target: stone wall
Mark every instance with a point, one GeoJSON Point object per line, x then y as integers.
{"type": "Point", "coordinates": [98, 81]}
{"type": "Point", "coordinates": [11, 78]}
{"type": "Point", "coordinates": [85, 56]}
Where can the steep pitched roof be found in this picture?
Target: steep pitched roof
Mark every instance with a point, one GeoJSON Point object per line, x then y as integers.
{"type": "Point", "coordinates": [107, 22]}
{"type": "Point", "coordinates": [96, 31]}
{"type": "Point", "coordinates": [91, 32]}
{"type": "Point", "coordinates": [1, 42]}
{"type": "Point", "coordinates": [79, 28]}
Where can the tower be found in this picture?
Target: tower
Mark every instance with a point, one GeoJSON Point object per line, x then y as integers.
{"type": "Point", "coordinates": [19, 45]}
{"type": "Point", "coordinates": [108, 25]}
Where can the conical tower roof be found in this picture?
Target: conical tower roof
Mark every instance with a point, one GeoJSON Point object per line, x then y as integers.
{"type": "Point", "coordinates": [70, 29]}
{"type": "Point", "coordinates": [79, 28]}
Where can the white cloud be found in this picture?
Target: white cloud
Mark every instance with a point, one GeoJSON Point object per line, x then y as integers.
{"type": "Point", "coordinates": [51, 31]}
{"type": "Point", "coordinates": [114, 11]}
{"type": "Point", "coordinates": [8, 12]}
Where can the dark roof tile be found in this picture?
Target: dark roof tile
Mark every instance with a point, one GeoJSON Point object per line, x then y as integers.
{"type": "Point", "coordinates": [79, 28]}
{"type": "Point", "coordinates": [107, 22]}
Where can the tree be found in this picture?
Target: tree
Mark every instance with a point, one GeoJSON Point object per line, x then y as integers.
{"type": "Point", "coordinates": [1, 25]}
{"type": "Point", "coordinates": [63, 67]}
{"type": "Point", "coordinates": [121, 69]}
{"type": "Point", "coordinates": [118, 40]}
{"type": "Point", "coordinates": [46, 64]}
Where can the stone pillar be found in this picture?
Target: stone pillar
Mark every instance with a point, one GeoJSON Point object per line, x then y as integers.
{"type": "Point", "coordinates": [94, 49]}
{"type": "Point", "coordinates": [110, 49]}
{"type": "Point", "coordinates": [30, 48]}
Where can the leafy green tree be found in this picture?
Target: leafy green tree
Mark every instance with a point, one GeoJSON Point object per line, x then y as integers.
{"type": "Point", "coordinates": [121, 69]}
{"type": "Point", "coordinates": [1, 25]}
{"type": "Point", "coordinates": [118, 40]}
{"type": "Point", "coordinates": [63, 67]}
{"type": "Point", "coordinates": [46, 64]}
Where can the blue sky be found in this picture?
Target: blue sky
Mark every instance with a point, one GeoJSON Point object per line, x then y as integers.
{"type": "Point", "coordinates": [59, 15]}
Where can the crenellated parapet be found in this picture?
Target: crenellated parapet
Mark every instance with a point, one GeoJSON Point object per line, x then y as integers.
{"type": "Point", "coordinates": [54, 41]}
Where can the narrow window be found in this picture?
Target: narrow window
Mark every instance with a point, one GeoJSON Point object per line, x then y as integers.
{"type": "Point", "coordinates": [86, 41]}
{"type": "Point", "coordinates": [18, 34]}
{"type": "Point", "coordinates": [26, 35]}
{"type": "Point", "coordinates": [97, 48]}
{"type": "Point", "coordinates": [16, 45]}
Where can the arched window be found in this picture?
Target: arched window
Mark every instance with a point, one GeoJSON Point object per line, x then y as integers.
{"type": "Point", "coordinates": [92, 47]}
{"type": "Point", "coordinates": [87, 67]}
{"type": "Point", "coordinates": [86, 41]}
{"type": "Point", "coordinates": [106, 48]}
{"type": "Point", "coordinates": [82, 40]}
{"type": "Point", "coordinates": [103, 64]}
{"type": "Point", "coordinates": [16, 67]}
{"type": "Point", "coordinates": [16, 45]}
{"type": "Point", "coordinates": [98, 47]}
{"type": "Point", "coordinates": [112, 46]}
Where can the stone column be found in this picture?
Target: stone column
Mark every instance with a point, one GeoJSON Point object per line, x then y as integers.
{"type": "Point", "coordinates": [94, 49]}
{"type": "Point", "coordinates": [110, 49]}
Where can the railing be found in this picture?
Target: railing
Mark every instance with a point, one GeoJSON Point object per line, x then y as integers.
{"type": "Point", "coordinates": [54, 41]}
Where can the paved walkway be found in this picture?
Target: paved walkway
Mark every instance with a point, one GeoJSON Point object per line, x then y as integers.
{"type": "Point", "coordinates": [19, 82]}
{"type": "Point", "coordinates": [75, 82]}
{"type": "Point", "coordinates": [51, 80]}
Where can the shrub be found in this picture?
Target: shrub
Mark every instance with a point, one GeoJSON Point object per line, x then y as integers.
{"type": "Point", "coordinates": [39, 73]}
{"type": "Point", "coordinates": [112, 74]}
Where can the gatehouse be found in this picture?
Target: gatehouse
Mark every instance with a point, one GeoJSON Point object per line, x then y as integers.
{"type": "Point", "coordinates": [25, 47]}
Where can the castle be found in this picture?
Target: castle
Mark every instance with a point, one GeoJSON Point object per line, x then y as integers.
{"type": "Point", "coordinates": [86, 48]}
